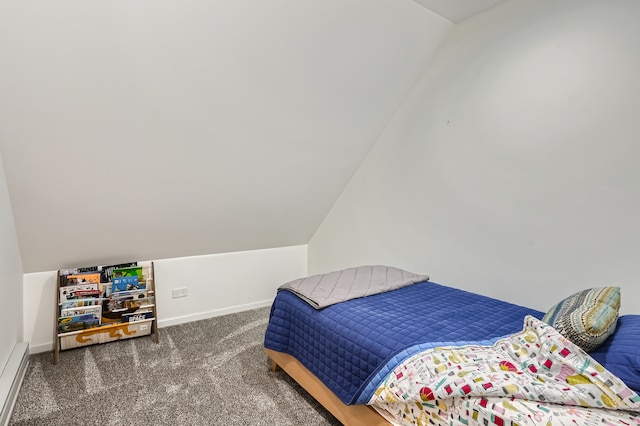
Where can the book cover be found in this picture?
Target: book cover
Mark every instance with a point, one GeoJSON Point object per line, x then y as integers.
{"type": "Point", "coordinates": [72, 271]}
{"type": "Point", "coordinates": [106, 272]}
{"type": "Point", "coordinates": [86, 278]}
{"type": "Point", "coordinates": [70, 326]}
{"type": "Point", "coordinates": [77, 322]}
{"type": "Point", "coordinates": [74, 278]}
{"type": "Point", "coordinates": [96, 310]}
{"type": "Point", "coordinates": [138, 293]}
{"type": "Point", "coordinates": [78, 292]}
{"type": "Point", "coordinates": [86, 294]}
{"type": "Point", "coordinates": [137, 316]}
{"type": "Point", "coordinates": [75, 303]}
{"type": "Point", "coordinates": [92, 323]}
{"type": "Point", "coordinates": [105, 288]}
{"type": "Point", "coordinates": [127, 272]}
{"type": "Point", "coordinates": [128, 300]}
{"type": "Point", "coordinates": [119, 303]}
{"type": "Point", "coordinates": [139, 303]}
{"type": "Point", "coordinates": [126, 283]}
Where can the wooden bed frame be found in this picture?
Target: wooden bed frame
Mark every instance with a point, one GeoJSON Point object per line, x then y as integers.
{"type": "Point", "coordinates": [349, 415]}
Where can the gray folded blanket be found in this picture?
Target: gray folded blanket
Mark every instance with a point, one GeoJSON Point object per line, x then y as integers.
{"type": "Point", "coordinates": [323, 290]}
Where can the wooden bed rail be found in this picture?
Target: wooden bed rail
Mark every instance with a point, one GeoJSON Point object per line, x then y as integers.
{"type": "Point", "coordinates": [349, 415]}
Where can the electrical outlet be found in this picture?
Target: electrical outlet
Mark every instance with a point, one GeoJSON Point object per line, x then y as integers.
{"type": "Point", "coordinates": [179, 292]}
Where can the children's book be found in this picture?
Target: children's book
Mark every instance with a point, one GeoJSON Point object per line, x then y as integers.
{"type": "Point", "coordinates": [76, 303]}
{"type": "Point", "coordinates": [126, 283]}
{"type": "Point", "coordinates": [71, 271]}
{"type": "Point", "coordinates": [117, 304]}
{"type": "Point", "coordinates": [96, 310]}
{"type": "Point", "coordinates": [127, 272]}
{"type": "Point", "coordinates": [130, 293]}
{"type": "Point", "coordinates": [137, 316]}
{"type": "Point", "coordinates": [80, 278]}
{"type": "Point", "coordinates": [139, 303]}
{"type": "Point", "coordinates": [128, 300]}
{"type": "Point", "coordinates": [105, 289]}
{"type": "Point", "coordinates": [78, 322]}
{"type": "Point", "coordinates": [78, 292]}
{"type": "Point", "coordinates": [107, 271]}
{"type": "Point", "coordinates": [88, 278]}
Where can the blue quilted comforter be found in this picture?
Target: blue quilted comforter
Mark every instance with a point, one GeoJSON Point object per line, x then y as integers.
{"type": "Point", "coordinates": [352, 345]}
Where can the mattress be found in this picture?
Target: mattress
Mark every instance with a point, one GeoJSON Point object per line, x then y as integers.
{"type": "Point", "coordinates": [350, 345]}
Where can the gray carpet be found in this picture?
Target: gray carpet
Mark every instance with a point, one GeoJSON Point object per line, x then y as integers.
{"type": "Point", "coordinates": [210, 372]}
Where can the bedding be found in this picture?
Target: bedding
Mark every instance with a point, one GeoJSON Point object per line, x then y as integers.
{"type": "Point", "coordinates": [424, 353]}
{"type": "Point", "coordinates": [535, 376]}
{"type": "Point", "coordinates": [323, 290]}
{"type": "Point", "coordinates": [350, 346]}
{"type": "Point", "coordinates": [620, 353]}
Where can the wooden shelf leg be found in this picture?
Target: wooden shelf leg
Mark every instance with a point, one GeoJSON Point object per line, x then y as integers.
{"type": "Point", "coordinates": [56, 312]}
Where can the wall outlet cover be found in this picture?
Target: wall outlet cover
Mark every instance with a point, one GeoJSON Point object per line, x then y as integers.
{"type": "Point", "coordinates": [179, 292]}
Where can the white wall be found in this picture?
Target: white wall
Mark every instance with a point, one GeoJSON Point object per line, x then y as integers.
{"type": "Point", "coordinates": [217, 284]}
{"type": "Point", "coordinates": [512, 169]}
{"type": "Point", "coordinates": [193, 127]}
{"type": "Point", "coordinates": [10, 277]}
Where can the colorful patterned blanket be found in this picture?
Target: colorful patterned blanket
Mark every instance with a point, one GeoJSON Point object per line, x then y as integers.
{"type": "Point", "coordinates": [534, 377]}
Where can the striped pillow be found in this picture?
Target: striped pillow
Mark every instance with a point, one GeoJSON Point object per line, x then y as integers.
{"type": "Point", "coordinates": [588, 317]}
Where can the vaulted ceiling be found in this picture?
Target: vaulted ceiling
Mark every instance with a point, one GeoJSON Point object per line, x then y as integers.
{"type": "Point", "coordinates": [155, 129]}
{"type": "Point", "coordinates": [458, 10]}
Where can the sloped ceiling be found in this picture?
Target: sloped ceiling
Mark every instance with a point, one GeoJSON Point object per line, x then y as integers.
{"type": "Point", "coordinates": [458, 10]}
{"type": "Point", "coordinates": [153, 129]}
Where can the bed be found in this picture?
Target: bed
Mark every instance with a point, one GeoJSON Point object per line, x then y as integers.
{"type": "Point", "coordinates": [413, 351]}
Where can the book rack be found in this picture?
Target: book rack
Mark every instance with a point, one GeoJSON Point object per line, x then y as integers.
{"type": "Point", "coordinates": [102, 304]}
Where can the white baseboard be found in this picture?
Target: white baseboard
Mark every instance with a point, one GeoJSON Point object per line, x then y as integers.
{"type": "Point", "coordinates": [214, 313]}
{"type": "Point", "coordinates": [44, 347]}
{"type": "Point", "coordinates": [11, 380]}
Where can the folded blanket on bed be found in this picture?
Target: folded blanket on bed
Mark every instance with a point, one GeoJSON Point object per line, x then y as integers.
{"type": "Point", "coordinates": [323, 290]}
{"type": "Point", "coordinates": [534, 377]}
